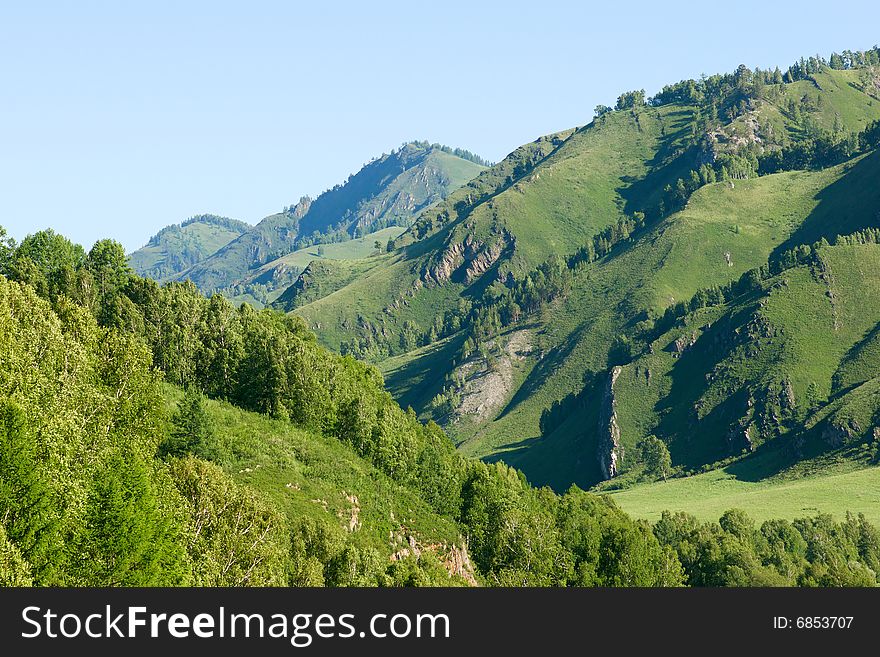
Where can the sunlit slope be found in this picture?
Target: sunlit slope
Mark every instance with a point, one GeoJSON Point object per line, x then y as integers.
{"type": "Point", "coordinates": [707, 496]}
{"type": "Point", "coordinates": [178, 247]}
{"type": "Point", "coordinates": [309, 476]}
{"type": "Point", "coordinates": [551, 198]}
{"type": "Point", "coordinates": [590, 180]}
{"type": "Point", "coordinates": [684, 253]}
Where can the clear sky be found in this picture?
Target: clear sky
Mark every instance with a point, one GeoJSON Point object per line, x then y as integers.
{"type": "Point", "coordinates": [119, 118]}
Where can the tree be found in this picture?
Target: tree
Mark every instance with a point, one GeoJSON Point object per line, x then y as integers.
{"type": "Point", "coordinates": [602, 110]}
{"type": "Point", "coordinates": [46, 260]}
{"type": "Point", "coordinates": [631, 99]}
{"type": "Point", "coordinates": [129, 538]}
{"type": "Point", "coordinates": [27, 509]}
{"type": "Point", "coordinates": [109, 266]}
{"type": "Point", "coordinates": [221, 348]}
{"type": "Point", "coordinates": [14, 570]}
{"type": "Point", "coordinates": [236, 538]}
{"type": "Point", "coordinates": [7, 249]}
{"type": "Point", "coordinates": [656, 456]}
{"type": "Point", "coordinates": [193, 430]}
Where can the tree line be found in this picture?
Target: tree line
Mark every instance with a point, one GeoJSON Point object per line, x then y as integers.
{"type": "Point", "coordinates": [96, 489]}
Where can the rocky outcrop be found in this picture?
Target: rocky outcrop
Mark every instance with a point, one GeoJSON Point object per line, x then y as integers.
{"type": "Point", "coordinates": [610, 451]}
{"type": "Point", "coordinates": [455, 559]}
{"type": "Point", "coordinates": [482, 261]}
{"type": "Point", "coordinates": [838, 433]}
{"type": "Point", "coordinates": [351, 518]}
{"type": "Point", "coordinates": [684, 342]}
{"type": "Point", "coordinates": [449, 260]}
{"type": "Point", "coordinates": [486, 389]}
{"type": "Point", "coordinates": [465, 260]}
{"type": "Point", "coordinates": [301, 209]}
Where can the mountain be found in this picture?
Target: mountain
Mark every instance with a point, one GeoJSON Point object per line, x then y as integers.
{"type": "Point", "coordinates": [388, 191]}
{"type": "Point", "coordinates": [151, 436]}
{"type": "Point", "coordinates": [264, 285]}
{"type": "Point", "coordinates": [176, 248]}
{"type": "Point", "coordinates": [686, 289]}
{"type": "Point", "coordinates": [519, 312]}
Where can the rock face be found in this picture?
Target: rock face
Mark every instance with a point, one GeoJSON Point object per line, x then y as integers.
{"type": "Point", "coordinates": [609, 430]}
{"type": "Point", "coordinates": [466, 260]}
{"type": "Point", "coordinates": [838, 433]}
{"type": "Point", "coordinates": [485, 390]}
{"type": "Point", "coordinates": [454, 559]}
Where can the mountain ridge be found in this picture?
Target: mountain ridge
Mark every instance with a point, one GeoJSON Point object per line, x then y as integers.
{"type": "Point", "coordinates": [600, 220]}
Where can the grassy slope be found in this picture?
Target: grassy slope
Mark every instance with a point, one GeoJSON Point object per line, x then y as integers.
{"type": "Point", "coordinates": [574, 193]}
{"type": "Point", "coordinates": [613, 166]}
{"type": "Point", "coordinates": [684, 253]}
{"type": "Point", "coordinates": [395, 186]}
{"type": "Point", "coordinates": [584, 186]}
{"type": "Point", "coordinates": [361, 247]}
{"type": "Point", "coordinates": [198, 237]}
{"type": "Point", "coordinates": [392, 188]}
{"type": "Point", "coordinates": [308, 475]}
{"type": "Point", "coordinates": [808, 339]}
{"type": "Point", "coordinates": [350, 259]}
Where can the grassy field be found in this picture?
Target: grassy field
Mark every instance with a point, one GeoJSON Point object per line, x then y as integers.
{"type": "Point", "coordinates": [708, 495]}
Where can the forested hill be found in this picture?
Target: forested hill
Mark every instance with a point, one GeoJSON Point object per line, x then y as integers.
{"type": "Point", "coordinates": [152, 436]}
{"type": "Point", "coordinates": [388, 191]}
{"type": "Point", "coordinates": [178, 247]}
{"type": "Point", "coordinates": [523, 313]}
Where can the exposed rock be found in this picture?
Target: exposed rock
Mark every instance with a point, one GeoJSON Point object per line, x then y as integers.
{"type": "Point", "coordinates": [485, 389]}
{"type": "Point", "coordinates": [483, 261]}
{"type": "Point", "coordinates": [684, 342]}
{"type": "Point", "coordinates": [466, 260]}
{"type": "Point", "coordinates": [739, 436]}
{"type": "Point", "coordinates": [787, 398]}
{"type": "Point", "coordinates": [455, 559]}
{"type": "Point", "coordinates": [354, 522]}
{"type": "Point", "coordinates": [451, 258]}
{"type": "Point", "coordinates": [610, 451]}
{"type": "Point", "coordinates": [838, 433]}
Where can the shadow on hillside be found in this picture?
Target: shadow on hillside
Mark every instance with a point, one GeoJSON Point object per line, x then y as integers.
{"type": "Point", "coordinates": [544, 370]}
{"type": "Point", "coordinates": [557, 461]}
{"type": "Point", "coordinates": [849, 204]}
{"type": "Point", "coordinates": [690, 447]}
{"type": "Point", "coordinates": [669, 164]}
{"type": "Point", "coordinates": [768, 460]}
{"type": "Point", "coordinates": [838, 387]}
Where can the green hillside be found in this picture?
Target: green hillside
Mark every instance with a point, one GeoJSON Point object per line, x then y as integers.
{"type": "Point", "coordinates": [388, 191]}
{"type": "Point", "coordinates": [263, 285]}
{"type": "Point", "coordinates": [152, 436]}
{"type": "Point", "coordinates": [512, 300]}
{"type": "Point", "coordinates": [178, 247]}
{"type": "Point", "coordinates": [317, 480]}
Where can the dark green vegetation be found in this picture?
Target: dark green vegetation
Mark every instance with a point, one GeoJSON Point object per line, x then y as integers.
{"type": "Point", "coordinates": [176, 248]}
{"type": "Point", "coordinates": [673, 269]}
{"type": "Point", "coordinates": [687, 289]}
{"type": "Point", "coordinates": [150, 435]}
{"type": "Point", "coordinates": [388, 191]}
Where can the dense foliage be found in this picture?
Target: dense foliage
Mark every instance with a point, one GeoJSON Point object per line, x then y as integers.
{"type": "Point", "coordinates": [98, 487]}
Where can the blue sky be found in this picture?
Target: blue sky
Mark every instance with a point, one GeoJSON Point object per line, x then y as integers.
{"type": "Point", "coordinates": [119, 118]}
